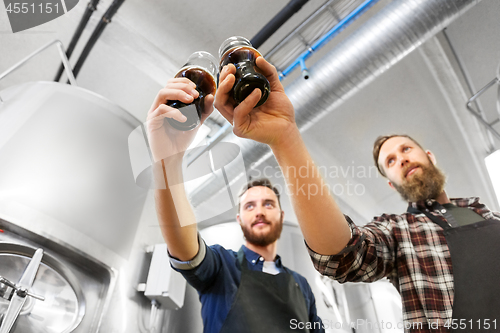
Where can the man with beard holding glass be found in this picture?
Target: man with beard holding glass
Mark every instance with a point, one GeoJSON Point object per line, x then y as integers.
{"type": "Point", "coordinates": [441, 254]}
{"type": "Point", "coordinates": [248, 291]}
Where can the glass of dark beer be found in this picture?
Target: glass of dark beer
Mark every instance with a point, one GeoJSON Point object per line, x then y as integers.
{"type": "Point", "coordinates": [201, 68]}
{"type": "Point", "coordinates": [239, 52]}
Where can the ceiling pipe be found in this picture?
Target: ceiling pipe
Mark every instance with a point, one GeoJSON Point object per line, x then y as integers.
{"type": "Point", "coordinates": [300, 61]}
{"type": "Point", "coordinates": [381, 42]}
{"type": "Point", "coordinates": [277, 21]}
{"type": "Point", "coordinates": [103, 23]}
{"type": "Point", "coordinates": [91, 8]}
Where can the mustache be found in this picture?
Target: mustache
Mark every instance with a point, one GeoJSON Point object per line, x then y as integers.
{"type": "Point", "coordinates": [261, 220]}
{"type": "Point", "coordinates": [410, 166]}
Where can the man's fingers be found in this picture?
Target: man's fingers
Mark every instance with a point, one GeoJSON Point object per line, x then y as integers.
{"type": "Point", "coordinates": [180, 80]}
{"type": "Point", "coordinates": [270, 73]}
{"type": "Point", "coordinates": [165, 111]}
{"type": "Point", "coordinates": [265, 67]}
{"type": "Point", "coordinates": [226, 70]}
{"type": "Point", "coordinates": [181, 83]}
{"type": "Point", "coordinates": [173, 94]}
{"type": "Point", "coordinates": [186, 87]}
{"type": "Point", "coordinates": [225, 86]}
{"type": "Point", "coordinates": [208, 107]}
{"type": "Point", "coordinates": [180, 89]}
{"type": "Point", "coordinates": [241, 111]}
{"type": "Point", "coordinates": [226, 83]}
{"type": "Point", "coordinates": [223, 100]}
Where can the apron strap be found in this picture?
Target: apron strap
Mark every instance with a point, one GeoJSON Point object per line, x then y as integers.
{"type": "Point", "coordinates": [439, 221]}
{"type": "Point", "coordinates": [241, 259]}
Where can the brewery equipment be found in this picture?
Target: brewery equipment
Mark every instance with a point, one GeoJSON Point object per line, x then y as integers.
{"type": "Point", "coordinates": [67, 188]}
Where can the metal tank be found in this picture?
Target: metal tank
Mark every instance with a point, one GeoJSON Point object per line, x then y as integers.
{"type": "Point", "coordinates": [66, 187]}
{"type": "Point", "coordinates": [64, 154]}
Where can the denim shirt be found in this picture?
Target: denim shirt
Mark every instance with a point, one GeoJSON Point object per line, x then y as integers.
{"type": "Point", "coordinates": [217, 277]}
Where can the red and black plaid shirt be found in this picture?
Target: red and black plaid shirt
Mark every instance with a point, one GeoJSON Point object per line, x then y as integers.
{"type": "Point", "coordinates": [411, 251]}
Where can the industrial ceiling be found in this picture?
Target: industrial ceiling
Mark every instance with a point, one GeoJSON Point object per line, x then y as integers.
{"type": "Point", "coordinates": [422, 94]}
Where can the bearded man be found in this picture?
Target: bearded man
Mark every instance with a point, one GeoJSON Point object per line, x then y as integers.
{"type": "Point", "coordinates": [440, 254]}
{"type": "Point", "coordinates": [249, 291]}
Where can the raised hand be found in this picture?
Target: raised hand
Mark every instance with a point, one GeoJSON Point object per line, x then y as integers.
{"type": "Point", "coordinates": [268, 123]}
{"type": "Point", "coordinates": [164, 140]}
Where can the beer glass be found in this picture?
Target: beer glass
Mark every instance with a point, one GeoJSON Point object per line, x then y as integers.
{"type": "Point", "coordinates": [201, 68]}
{"type": "Point", "coordinates": [239, 52]}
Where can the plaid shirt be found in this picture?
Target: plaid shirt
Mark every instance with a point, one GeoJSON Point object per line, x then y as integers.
{"type": "Point", "coordinates": [411, 251]}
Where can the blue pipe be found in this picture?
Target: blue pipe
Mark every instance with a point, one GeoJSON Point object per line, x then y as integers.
{"type": "Point", "coordinates": [326, 38]}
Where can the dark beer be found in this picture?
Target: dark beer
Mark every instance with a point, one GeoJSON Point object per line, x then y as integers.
{"type": "Point", "coordinates": [239, 52]}
{"type": "Point", "coordinates": [205, 85]}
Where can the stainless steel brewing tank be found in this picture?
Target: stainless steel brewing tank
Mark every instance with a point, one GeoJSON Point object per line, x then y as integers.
{"type": "Point", "coordinates": [64, 166]}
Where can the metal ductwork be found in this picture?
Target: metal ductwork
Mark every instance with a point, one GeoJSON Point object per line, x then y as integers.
{"type": "Point", "coordinates": [381, 42]}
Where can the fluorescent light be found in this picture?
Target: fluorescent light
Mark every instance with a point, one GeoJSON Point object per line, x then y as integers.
{"type": "Point", "coordinates": [492, 162]}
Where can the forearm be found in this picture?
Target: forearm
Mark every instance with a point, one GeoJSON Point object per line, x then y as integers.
{"type": "Point", "coordinates": [369, 256]}
{"type": "Point", "coordinates": [323, 224]}
{"type": "Point", "coordinates": [175, 214]}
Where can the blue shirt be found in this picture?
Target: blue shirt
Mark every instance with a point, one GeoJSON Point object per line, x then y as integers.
{"type": "Point", "coordinates": [217, 278]}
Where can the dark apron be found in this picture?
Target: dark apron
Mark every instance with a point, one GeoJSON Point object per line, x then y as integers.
{"type": "Point", "coordinates": [474, 250]}
{"type": "Point", "coordinates": [265, 303]}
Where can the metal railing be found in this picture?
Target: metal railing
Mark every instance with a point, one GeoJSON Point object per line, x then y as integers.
{"type": "Point", "coordinates": [62, 54]}
{"type": "Point", "coordinates": [477, 114]}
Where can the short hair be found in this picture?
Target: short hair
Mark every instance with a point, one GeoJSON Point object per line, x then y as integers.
{"type": "Point", "coordinates": [378, 145]}
{"type": "Point", "coordinates": [258, 182]}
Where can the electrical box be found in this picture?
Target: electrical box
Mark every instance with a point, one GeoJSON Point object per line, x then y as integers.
{"type": "Point", "coordinates": [163, 284]}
